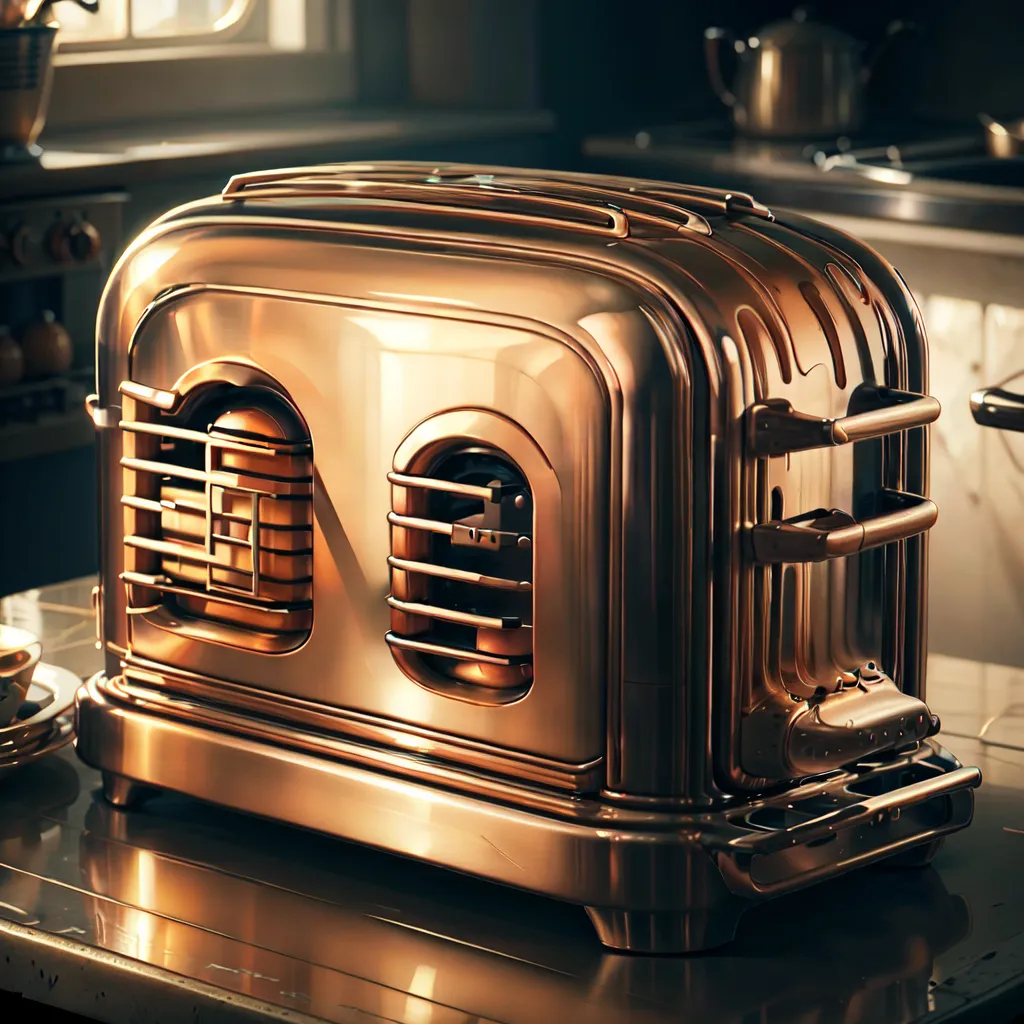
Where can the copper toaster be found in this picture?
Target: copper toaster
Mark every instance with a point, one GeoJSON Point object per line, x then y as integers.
{"type": "Point", "coordinates": [564, 530]}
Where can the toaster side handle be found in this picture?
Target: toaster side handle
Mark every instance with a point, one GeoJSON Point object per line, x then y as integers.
{"type": "Point", "coordinates": [831, 533]}
{"type": "Point", "coordinates": [776, 429]}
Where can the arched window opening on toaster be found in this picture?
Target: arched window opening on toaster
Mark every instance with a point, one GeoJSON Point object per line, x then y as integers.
{"type": "Point", "coordinates": [462, 569]}
{"type": "Point", "coordinates": [218, 489]}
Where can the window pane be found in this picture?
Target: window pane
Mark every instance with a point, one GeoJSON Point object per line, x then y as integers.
{"type": "Point", "coordinates": [79, 26]}
{"type": "Point", "coordinates": [152, 18]}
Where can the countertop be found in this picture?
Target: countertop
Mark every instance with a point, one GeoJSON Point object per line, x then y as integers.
{"type": "Point", "coordinates": [148, 153]}
{"type": "Point", "coordinates": [182, 911]}
{"type": "Point", "coordinates": [988, 198]}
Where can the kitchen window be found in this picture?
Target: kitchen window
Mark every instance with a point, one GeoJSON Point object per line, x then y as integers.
{"type": "Point", "coordinates": [154, 24]}
{"type": "Point", "coordinates": [158, 60]}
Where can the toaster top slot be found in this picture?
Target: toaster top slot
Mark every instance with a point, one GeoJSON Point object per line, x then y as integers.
{"type": "Point", "coordinates": [589, 203]}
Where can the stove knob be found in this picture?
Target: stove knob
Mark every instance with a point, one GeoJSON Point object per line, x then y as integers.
{"type": "Point", "coordinates": [75, 242]}
{"type": "Point", "coordinates": [83, 241]}
{"type": "Point", "coordinates": [21, 242]}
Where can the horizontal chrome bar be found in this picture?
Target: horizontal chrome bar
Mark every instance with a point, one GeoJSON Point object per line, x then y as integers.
{"type": "Point", "coordinates": [186, 552]}
{"type": "Point", "coordinates": [492, 494]}
{"type": "Point", "coordinates": [162, 400]}
{"type": "Point", "coordinates": [166, 585]}
{"type": "Point", "coordinates": [199, 508]}
{"type": "Point", "coordinates": [414, 523]}
{"type": "Point", "coordinates": [537, 208]}
{"type": "Point", "coordinates": [432, 611]}
{"type": "Point", "coordinates": [459, 575]}
{"type": "Point", "coordinates": [458, 653]}
{"type": "Point", "coordinates": [238, 482]}
{"type": "Point", "coordinates": [222, 442]}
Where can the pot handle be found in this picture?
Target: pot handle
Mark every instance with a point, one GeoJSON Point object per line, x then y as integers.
{"type": "Point", "coordinates": [713, 38]}
{"type": "Point", "coordinates": [829, 533]}
{"type": "Point", "coordinates": [994, 407]}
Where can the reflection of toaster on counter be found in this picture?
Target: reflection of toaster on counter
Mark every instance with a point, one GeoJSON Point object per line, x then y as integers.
{"type": "Point", "coordinates": [550, 528]}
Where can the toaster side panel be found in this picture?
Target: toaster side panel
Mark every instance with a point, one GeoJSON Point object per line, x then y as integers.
{"type": "Point", "coordinates": [808, 338]}
{"type": "Point", "coordinates": [363, 380]}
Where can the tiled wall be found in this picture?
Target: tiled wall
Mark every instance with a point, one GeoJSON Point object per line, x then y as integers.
{"type": "Point", "coordinates": [973, 306]}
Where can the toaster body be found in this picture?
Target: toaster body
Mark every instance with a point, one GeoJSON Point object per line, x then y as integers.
{"type": "Point", "coordinates": [564, 530]}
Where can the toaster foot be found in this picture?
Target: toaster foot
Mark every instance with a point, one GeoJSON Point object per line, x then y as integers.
{"type": "Point", "coordinates": [124, 793]}
{"type": "Point", "coordinates": [635, 931]}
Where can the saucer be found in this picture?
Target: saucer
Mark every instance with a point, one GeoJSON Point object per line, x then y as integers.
{"type": "Point", "coordinates": [62, 733]}
{"type": "Point", "coordinates": [46, 725]}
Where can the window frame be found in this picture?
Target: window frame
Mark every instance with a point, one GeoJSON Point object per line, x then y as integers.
{"type": "Point", "coordinates": [253, 15]}
{"type": "Point", "coordinates": [178, 79]}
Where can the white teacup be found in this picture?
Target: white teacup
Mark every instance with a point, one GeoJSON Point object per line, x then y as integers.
{"type": "Point", "coordinates": [20, 652]}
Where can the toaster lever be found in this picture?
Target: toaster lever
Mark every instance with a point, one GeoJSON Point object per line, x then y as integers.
{"type": "Point", "coordinates": [777, 429]}
{"type": "Point", "coordinates": [831, 533]}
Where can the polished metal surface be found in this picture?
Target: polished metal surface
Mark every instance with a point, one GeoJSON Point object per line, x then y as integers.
{"type": "Point", "coordinates": [618, 501]}
{"type": "Point", "coordinates": [794, 78]}
{"type": "Point", "coordinates": [182, 908]}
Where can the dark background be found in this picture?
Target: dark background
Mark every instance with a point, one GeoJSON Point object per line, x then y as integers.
{"type": "Point", "coordinates": [595, 65]}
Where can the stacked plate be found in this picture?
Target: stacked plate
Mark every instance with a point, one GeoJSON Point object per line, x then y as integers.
{"type": "Point", "coordinates": [36, 701]}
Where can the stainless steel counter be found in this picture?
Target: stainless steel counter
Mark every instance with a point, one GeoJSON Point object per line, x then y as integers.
{"type": "Point", "coordinates": [183, 911]}
{"type": "Point", "coordinates": [971, 194]}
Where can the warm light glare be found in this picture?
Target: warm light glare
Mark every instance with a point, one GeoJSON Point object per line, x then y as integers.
{"type": "Point", "coordinates": [150, 19]}
{"type": "Point", "coordinates": [422, 986]}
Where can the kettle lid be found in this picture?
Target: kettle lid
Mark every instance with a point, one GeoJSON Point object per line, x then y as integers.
{"type": "Point", "coordinates": [799, 31]}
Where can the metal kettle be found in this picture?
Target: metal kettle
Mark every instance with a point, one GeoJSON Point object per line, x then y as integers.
{"type": "Point", "coordinates": [794, 78]}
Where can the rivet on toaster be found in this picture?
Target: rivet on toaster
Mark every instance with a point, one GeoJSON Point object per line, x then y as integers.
{"type": "Point", "coordinates": [565, 530]}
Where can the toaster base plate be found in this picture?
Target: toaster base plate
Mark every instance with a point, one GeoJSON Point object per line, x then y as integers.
{"type": "Point", "coordinates": [651, 882]}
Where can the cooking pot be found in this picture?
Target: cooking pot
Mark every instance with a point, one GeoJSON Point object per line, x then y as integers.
{"type": "Point", "coordinates": [794, 78]}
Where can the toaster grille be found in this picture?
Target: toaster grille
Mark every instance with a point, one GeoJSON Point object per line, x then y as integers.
{"type": "Point", "coordinates": [218, 516]}
{"type": "Point", "coordinates": [462, 572]}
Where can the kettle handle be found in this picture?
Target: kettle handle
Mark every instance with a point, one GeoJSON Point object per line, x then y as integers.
{"type": "Point", "coordinates": [894, 29]}
{"type": "Point", "coordinates": [713, 38]}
